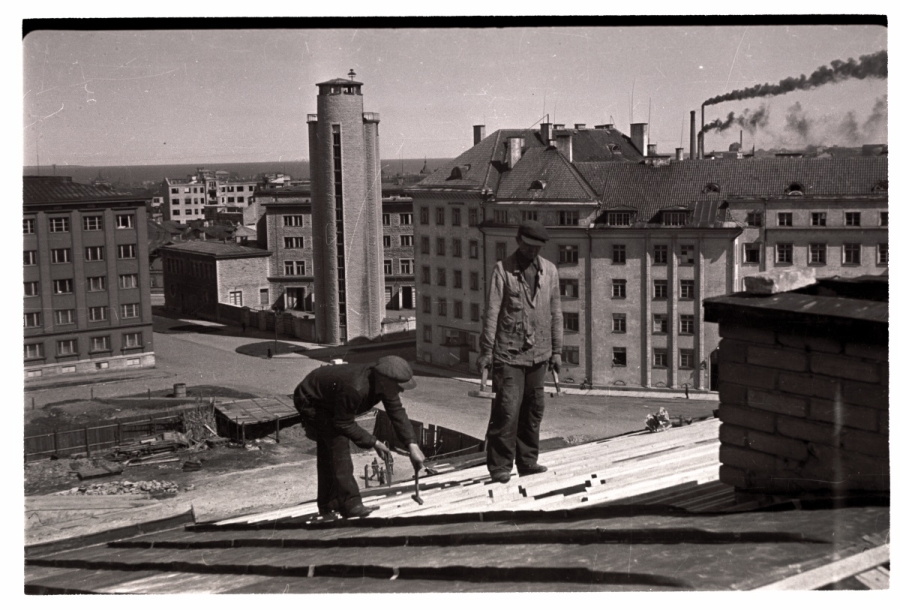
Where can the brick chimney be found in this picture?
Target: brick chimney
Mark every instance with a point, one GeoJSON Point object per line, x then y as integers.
{"type": "Point", "coordinates": [479, 133]}
{"type": "Point", "coordinates": [546, 130]}
{"type": "Point", "coordinates": [564, 144]}
{"type": "Point", "coordinates": [640, 137]}
{"type": "Point", "coordinates": [514, 150]}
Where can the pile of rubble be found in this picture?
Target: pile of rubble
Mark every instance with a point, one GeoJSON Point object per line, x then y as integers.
{"type": "Point", "coordinates": [123, 487]}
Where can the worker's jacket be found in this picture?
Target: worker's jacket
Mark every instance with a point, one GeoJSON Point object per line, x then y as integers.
{"type": "Point", "coordinates": [334, 395]}
{"type": "Point", "coordinates": [521, 328]}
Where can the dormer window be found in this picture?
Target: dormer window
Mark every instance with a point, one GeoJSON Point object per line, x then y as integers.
{"type": "Point", "coordinates": [456, 173]}
{"type": "Point", "coordinates": [618, 219]}
{"type": "Point", "coordinates": [795, 189]}
{"type": "Point", "coordinates": [614, 148]}
{"type": "Point", "coordinates": [675, 218]}
{"type": "Point", "coordinates": [538, 185]}
{"type": "Point", "coordinates": [711, 187]}
{"type": "Point", "coordinates": [880, 187]}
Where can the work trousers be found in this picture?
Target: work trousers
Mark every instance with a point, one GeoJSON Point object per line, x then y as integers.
{"type": "Point", "coordinates": [516, 413]}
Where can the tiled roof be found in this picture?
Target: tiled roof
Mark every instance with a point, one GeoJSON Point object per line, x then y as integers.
{"type": "Point", "coordinates": [218, 249]}
{"type": "Point", "coordinates": [603, 145]}
{"type": "Point", "coordinates": [682, 183]}
{"type": "Point", "coordinates": [53, 189]}
{"type": "Point", "coordinates": [559, 179]}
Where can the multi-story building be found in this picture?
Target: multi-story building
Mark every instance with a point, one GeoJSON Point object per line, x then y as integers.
{"type": "Point", "coordinates": [345, 180]}
{"type": "Point", "coordinates": [285, 229]}
{"type": "Point", "coordinates": [639, 245]}
{"type": "Point", "coordinates": [184, 198]}
{"type": "Point", "coordinates": [399, 252]}
{"type": "Point", "coordinates": [86, 279]}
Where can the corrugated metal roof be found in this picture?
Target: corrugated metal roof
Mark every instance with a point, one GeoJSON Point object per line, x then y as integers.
{"type": "Point", "coordinates": [53, 189]}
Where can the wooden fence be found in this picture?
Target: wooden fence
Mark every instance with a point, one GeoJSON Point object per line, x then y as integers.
{"type": "Point", "coordinates": [95, 439]}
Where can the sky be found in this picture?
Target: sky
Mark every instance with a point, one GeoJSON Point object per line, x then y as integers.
{"type": "Point", "coordinates": [207, 96]}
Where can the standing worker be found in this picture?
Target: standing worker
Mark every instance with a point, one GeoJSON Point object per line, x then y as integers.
{"type": "Point", "coordinates": [523, 329]}
{"type": "Point", "coordinates": [329, 399]}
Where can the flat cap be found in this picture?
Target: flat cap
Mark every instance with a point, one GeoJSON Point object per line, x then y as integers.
{"type": "Point", "coordinates": [533, 233]}
{"type": "Point", "coordinates": [396, 368]}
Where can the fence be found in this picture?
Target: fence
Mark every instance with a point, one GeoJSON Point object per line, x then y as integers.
{"type": "Point", "coordinates": [69, 440]}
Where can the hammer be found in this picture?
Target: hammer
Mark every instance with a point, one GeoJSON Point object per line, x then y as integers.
{"type": "Point", "coordinates": [416, 495]}
{"type": "Point", "coordinates": [555, 381]}
{"type": "Point", "coordinates": [483, 392]}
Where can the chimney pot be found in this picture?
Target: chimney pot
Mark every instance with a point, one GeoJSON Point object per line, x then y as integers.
{"type": "Point", "coordinates": [559, 126]}
{"type": "Point", "coordinates": [479, 133]}
{"type": "Point", "coordinates": [579, 125]}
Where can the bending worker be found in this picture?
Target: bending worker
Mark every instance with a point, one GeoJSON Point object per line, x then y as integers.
{"type": "Point", "coordinates": [329, 399]}
{"type": "Point", "coordinates": [523, 329]}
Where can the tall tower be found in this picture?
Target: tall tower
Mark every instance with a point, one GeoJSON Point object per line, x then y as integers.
{"type": "Point", "coordinates": [345, 176]}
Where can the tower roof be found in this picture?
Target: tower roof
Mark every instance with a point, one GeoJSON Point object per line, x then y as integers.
{"type": "Point", "coordinates": [339, 81]}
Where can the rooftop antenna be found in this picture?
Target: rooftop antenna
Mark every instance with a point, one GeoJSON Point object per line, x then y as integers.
{"type": "Point", "coordinates": [649, 113]}
{"type": "Point", "coordinates": [682, 130]}
{"type": "Point", "coordinates": [632, 98]}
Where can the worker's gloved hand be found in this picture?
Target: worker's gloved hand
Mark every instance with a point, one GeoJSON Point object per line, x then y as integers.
{"type": "Point", "coordinates": [483, 361]}
{"type": "Point", "coordinates": [556, 363]}
{"type": "Point", "coordinates": [416, 457]}
{"type": "Point", "coordinates": [383, 452]}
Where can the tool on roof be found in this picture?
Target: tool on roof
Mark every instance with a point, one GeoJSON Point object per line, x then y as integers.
{"type": "Point", "coordinates": [483, 392]}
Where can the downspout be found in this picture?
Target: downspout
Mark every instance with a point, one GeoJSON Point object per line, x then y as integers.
{"type": "Point", "coordinates": [588, 312]}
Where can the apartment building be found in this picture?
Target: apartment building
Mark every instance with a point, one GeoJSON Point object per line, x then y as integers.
{"type": "Point", "coordinates": [184, 198]}
{"type": "Point", "coordinates": [285, 229]}
{"type": "Point", "coordinates": [398, 240]}
{"type": "Point", "coordinates": [86, 279]}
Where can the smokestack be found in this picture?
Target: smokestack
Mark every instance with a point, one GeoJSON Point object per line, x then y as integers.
{"type": "Point", "coordinates": [700, 137]}
{"type": "Point", "coordinates": [479, 133]}
{"type": "Point", "coordinates": [640, 137]}
{"type": "Point", "coordinates": [742, 140]}
{"type": "Point", "coordinates": [693, 134]}
{"type": "Point", "coordinates": [679, 154]}
{"type": "Point", "coordinates": [545, 133]}
{"type": "Point", "coordinates": [564, 144]}
{"type": "Point", "coordinates": [515, 150]}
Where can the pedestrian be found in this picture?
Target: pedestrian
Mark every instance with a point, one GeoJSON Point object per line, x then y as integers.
{"type": "Point", "coordinates": [329, 399]}
{"type": "Point", "coordinates": [522, 331]}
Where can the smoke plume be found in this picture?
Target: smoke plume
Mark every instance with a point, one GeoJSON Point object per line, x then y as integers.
{"type": "Point", "coordinates": [868, 66]}
{"type": "Point", "coordinates": [878, 118]}
{"type": "Point", "coordinates": [751, 121]}
{"type": "Point", "coordinates": [797, 121]}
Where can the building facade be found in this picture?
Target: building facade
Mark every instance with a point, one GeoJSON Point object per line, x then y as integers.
{"type": "Point", "coordinates": [398, 240]}
{"type": "Point", "coordinates": [86, 279]}
{"type": "Point", "coordinates": [285, 229]}
{"type": "Point", "coordinates": [345, 179]}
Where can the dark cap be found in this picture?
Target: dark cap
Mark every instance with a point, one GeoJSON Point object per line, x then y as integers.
{"type": "Point", "coordinates": [396, 368]}
{"type": "Point", "coordinates": [533, 233]}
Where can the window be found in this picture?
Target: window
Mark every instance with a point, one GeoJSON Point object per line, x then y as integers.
{"type": "Point", "coordinates": [618, 289]}
{"type": "Point", "coordinates": [386, 220]}
{"type": "Point", "coordinates": [884, 219]}
{"type": "Point", "coordinates": [59, 225]}
{"type": "Point", "coordinates": [100, 344]}
{"type": "Point", "coordinates": [424, 216]}
{"type": "Point", "coordinates": [67, 347]}
{"type": "Point", "coordinates": [457, 248]}
{"type": "Point", "coordinates": [817, 254]}
{"type": "Point", "coordinates": [687, 289]}
{"type": "Point", "coordinates": [458, 310]}
{"type": "Point", "coordinates": [406, 266]}
{"type": "Point", "coordinates": [686, 359]}
{"type": "Point", "coordinates": [473, 249]}
{"type": "Point", "coordinates": [32, 320]}
{"type": "Point", "coordinates": [98, 314]}
{"type": "Point", "coordinates": [441, 246]}
{"type": "Point", "coordinates": [125, 221]}
{"type": "Point", "coordinates": [784, 253]}
{"type": "Point", "coordinates": [851, 254]}
{"type": "Point", "coordinates": [230, 200]}
{"type": "Point", "coordinates": [406, 219]}
{"type": "Point", "coordinates": [29, 258]}
{"type": "Point", "coordinates": [687, 254]}
{"type": "Point", "coordinates": [264, 297]}
{"type": "Point", "coordinates": [457, 278]}
{"type": "Point", "coordinates": [426, 304]}
{"type": "Point", "coordinates": [176, 202]}
{"type": "Point", "coordinates": [439, 216]}
{"type": "Point", "coordinates": [442, 307]}
{"type": "Point", "coordinates": [660, 358]}
{"type": "Point", "coordinates": [817, 219]}
{"type": "Point", "coordinates": [619, 356]}
{"type": "Point", "coordinates": [754, 219]}
{"type": "Point", "coordinates": [570, 355]}
{"type": "Point", "coordinates": [501, 216]}
{"type": "Point", "coordinates": [660, 289]}
{"type": "Point", "coordinates": [126, 251]}
{"type": "Point", "coordinates": [474, 312]}
{"type": "Point", "coordinates": [386, 241]}
{"type": "Point", "coordinates": [660, 255]}
{"type": "Point", "coordinates": [618, 323]}
{"type": "Point", "coordinates": [27, 227]}
{"type": "Point", "coordinates": [406, 241]}
{"type": "Point", "coordinates": [62, 286]}
{"type": "Point", "coordinates": [34, 350]}
{"type": "Point", "coordinates": [425, 241]}
{"type": "Point", "coordinates": [426, 333]}
{"type": "Point", "coordinates": [388, 267]}
{"type": "Point", "coordinates": [473, 217]}
{"type": "Point", "coordinates": [293, 243]}
{"type": "Point", "coordinates": [441, 276]}
{"type": "Point", "coordinates": [92, 223]}
{"type": "Point", "coordinates": [176, 212]}
{"type": "Point", "coordinates": [132, 340]}
{"type": "Point", "coordinates": [293, 220]}
{"type": "Point", "coordinates": [31, 289]}
{"type": "Point", "coordinates": [426, 274]}
{"type": "Point", "coordinates": [568, 218]}
{"type": "Point", "coordinates": [660, 323]}
{"type": "Point", "coordinates": [474, 284]}
{"type": "Point", "coordinates": [455, 217]}
{"type": "Point", "coordinates": [240, 189]}
{"type": "Point", "coordinates": [618, 219]}
{"type": "Point", "coordinates": [174, 191]}
{"type": "Point", "coordinates": [674, 219]}
{"type": "Point", "coordinates": [499, 250]}
{"type": "Point", "coordinates": [130, 310]}
{"type": "Point", "coordinates": [190, 213]}
{"type": "Point", "coordinates": [851, 219]}
{"type": "Point", "coordinates": [785, 219]}
{"type": "Point", "coordinates": [128, 280]}
{"type": "Point", "coordinates": [568, 289]}
{"type": "Point", "coordinates": [236, 297]}
{"type": "Point", "coordinates": [568, 255]}
{"type": "Point", "coordinates": [882, 254]}
{"type": "Point", "coordinates": [751, 253]}
{"type": "Point", "coordinates": [687, 324]}
{"type": "Point", "coordinates": [93, 253]}
{"type": "Point", "coordinates": [295, 267]}
{"type": "Point", "coordinates": [570, 322]}
{"type": "Point", "coordinates": [64, 317]}
{"type": "Point", "coordinates": [60, 255]}
{"type": "Point", "coordinates": [618, 254]}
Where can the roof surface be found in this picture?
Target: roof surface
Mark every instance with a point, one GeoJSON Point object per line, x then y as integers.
{"type": "Point", "coordinates": [546, 166]}
{"type": "Point", "coordinates": [54, 189]}
{"type": "Point", "coordinates": [218, 249]}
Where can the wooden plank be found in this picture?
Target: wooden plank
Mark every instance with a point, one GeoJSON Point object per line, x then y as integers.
{"type": "Point", "coordinates": [878, 579]}
{"type": "Point", "coordinates": [183, 582]}
{"type": "Point", "coordinates": [833, 572]}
